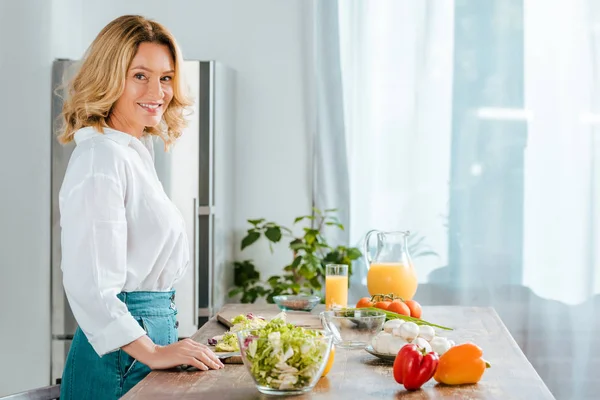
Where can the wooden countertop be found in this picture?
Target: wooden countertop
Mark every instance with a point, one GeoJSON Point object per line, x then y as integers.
{"type": "Point", "coordinates": [357, 374]}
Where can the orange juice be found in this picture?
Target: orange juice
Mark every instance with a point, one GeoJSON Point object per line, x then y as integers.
{"type": "Point", "coordinates": [336, 291]}
{"type": "Point", "coordinates": [397, 278]}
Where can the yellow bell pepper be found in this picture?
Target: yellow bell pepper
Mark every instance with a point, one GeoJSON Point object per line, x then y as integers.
{"type": "Point", "coordinates": [330, 361]}
{"type": "Point", "coordinates": [461, 364]}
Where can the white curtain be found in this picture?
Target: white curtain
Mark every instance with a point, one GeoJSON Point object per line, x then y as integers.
{"type": "Point", "coordinates": [330, 181]}
{"type": "Point", "coordinates": [562, 200]}
{"type": "Point", "coordinates": [475, 124]}
{"type": "Point", "coordinates": [397, 81]}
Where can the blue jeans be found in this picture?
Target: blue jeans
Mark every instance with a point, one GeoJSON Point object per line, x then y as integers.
{"type": "Point", "coordinates": [89, 376]}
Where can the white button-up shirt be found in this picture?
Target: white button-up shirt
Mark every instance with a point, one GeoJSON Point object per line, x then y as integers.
{"type": "Point", "coordinates": [120, 233]}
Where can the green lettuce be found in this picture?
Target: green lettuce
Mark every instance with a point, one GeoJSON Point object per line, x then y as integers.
{"type": "Point", "coordinates": [241, 322]}
{"type": "Point", "coordinates": [285, 356]}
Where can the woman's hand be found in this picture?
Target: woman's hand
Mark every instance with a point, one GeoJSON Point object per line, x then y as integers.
{"type": "Point", "coordinates": [186, 352]}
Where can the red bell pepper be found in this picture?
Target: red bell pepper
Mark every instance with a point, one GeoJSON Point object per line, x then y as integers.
{"type": "Point", "coordinates": [413, 367]}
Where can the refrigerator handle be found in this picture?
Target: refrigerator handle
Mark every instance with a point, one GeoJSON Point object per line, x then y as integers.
{"type": "Point", "coordinates": [196, 264]}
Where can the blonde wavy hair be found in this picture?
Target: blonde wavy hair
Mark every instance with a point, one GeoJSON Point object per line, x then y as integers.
{"type": "Point", "coordinates": [100, 80]}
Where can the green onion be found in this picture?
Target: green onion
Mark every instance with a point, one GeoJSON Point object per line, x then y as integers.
{"type": "Point", "coordinates": [392, 315]}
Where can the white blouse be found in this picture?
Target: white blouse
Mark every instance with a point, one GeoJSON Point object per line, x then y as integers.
{"type": "Point", "coordinates": [120, 232]}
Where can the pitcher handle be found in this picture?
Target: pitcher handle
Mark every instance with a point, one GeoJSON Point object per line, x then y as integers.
{"type": "Point", "coordinates": [367, 254]}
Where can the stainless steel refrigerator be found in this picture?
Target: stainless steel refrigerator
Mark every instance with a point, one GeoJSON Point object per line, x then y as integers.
{"type": "Point", "coordinates": [197, 174]}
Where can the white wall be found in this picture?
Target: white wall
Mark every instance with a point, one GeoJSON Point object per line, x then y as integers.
{"type": "Point", "coordinates": [265, 42]}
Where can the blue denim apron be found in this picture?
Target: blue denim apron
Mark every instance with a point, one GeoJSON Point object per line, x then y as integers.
{"type": "Point", "coordinates": [88, 376]}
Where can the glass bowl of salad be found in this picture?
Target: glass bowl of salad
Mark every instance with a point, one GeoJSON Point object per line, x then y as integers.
{"type": "Point", "coordinates": [283, 359]}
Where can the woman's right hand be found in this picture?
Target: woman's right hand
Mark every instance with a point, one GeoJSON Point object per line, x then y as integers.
{"type": "Point", "coordinates": [186, 351]}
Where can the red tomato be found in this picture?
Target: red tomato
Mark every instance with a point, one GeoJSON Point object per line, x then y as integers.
{"type": "Point", "coordinates": [399, 307]}
{"type": "Point", "coordinates": [415, 308]}
{"type": "Point", "coordinates": [383, 304]}
{"type": "Point", "coordinates": [364, 302]}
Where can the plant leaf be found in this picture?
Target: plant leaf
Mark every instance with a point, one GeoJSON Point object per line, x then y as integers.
{"type": "Point", "coordinates": [333, 257]}
{"type": "Point", "coordinates": [273, 281]}
{"type": "Point", "coordinates": [297, 246]}
{"type": "Point", "coordinates": [296, 261]}
{"type": "Point", "coordinates": [310, 238]}
{"type": "Point", "coordinates": [273, 234]}
{"type": "Point", "coordinates": [335, 224]}
{"type": "Point", "coordinates": [316, 283]}
{"type": "Point", "coordinates": [245, 273]}
{"type": "Point", "coordinates": [249, 239]}
{"type": "Point", "coordinates": [256, 221]}
{"type": "Point", "coordinates": [354, 253]}
{"type": "Point", "coordinates": [249, 297]}
{"type": "Point", "coordinates": [261, 290]}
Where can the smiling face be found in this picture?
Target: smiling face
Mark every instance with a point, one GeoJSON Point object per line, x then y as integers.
{"type": "Point", "coordinates": [148, 90]}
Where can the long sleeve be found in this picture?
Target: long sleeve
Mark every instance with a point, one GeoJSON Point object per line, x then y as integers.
{"type": "Point", "coordinates": [94, 261]}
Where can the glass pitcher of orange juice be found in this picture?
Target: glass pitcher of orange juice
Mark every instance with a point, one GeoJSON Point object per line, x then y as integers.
{"type": "Point", "coordinates": [391, 269]}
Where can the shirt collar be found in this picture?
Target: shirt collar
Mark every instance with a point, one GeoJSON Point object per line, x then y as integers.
{"type": "Point", "coordinates": [89, 132]}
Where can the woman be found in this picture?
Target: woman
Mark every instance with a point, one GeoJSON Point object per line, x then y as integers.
{"type": "Point", "coordinates": [123, 242]}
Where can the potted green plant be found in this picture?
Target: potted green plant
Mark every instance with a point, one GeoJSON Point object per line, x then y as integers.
{"type": "Point", "coordinates": [310, 253]}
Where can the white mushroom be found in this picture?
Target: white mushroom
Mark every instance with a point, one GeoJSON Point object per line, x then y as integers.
{"type": "Point", "coordinates": [395, 344]}
{"type": "Point", "coordinates": [396, 331]}
{"type": "Point", "coordinates": [440, 345]}
{"type": "Point", "coordinates": [382, 343]}
{"type": "Point", "coordinates": [424, 344]}
{"type": "Point", "coordinates": [409, 331]}
{"type": "Point", "coordinates": [426, 332]}
{"type": "Point", "coordinates": [391, 324]}
{"type": "Point", "coordinates": [375, 340]}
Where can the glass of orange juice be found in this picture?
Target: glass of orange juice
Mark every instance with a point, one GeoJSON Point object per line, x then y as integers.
{"type": "Point", "coordinates": [336, 286]}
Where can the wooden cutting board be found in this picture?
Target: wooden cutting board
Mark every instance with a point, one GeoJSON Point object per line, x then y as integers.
{"type": "Point", "coordinates": [232, 360]}
{"type": "Point", "coordinates": [299, 318]}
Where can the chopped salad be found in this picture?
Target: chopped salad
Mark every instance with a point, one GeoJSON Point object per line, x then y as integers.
{"type": "Point", "coordinates": [228, 342]}
{"type": "Point", "coordinates": [281, 355]}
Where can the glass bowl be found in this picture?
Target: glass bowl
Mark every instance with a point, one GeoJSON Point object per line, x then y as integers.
{"type": "Point", "coordinates": [352, 329]}
{"type": "Point", "coordinates": [299, 302]}
{"type": "Point", "coordinates": [280, 365]}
